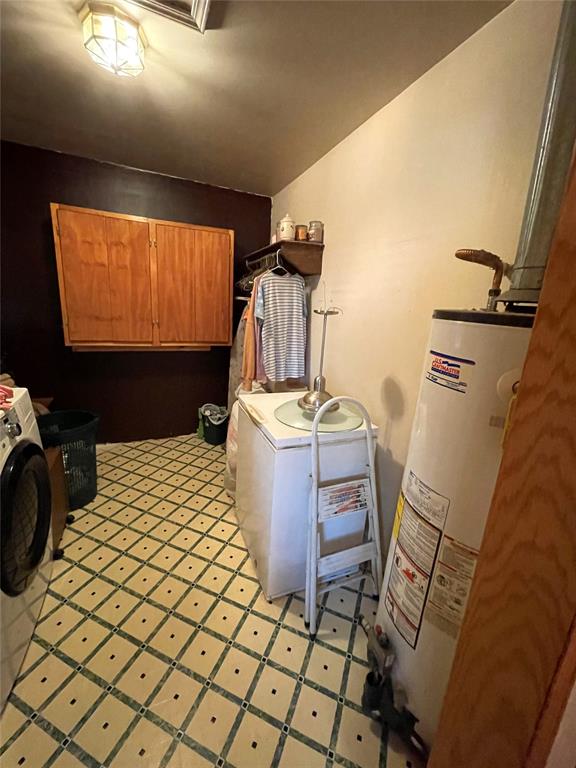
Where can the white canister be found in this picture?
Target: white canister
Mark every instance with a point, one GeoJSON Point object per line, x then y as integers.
{"type": "Point", "coordinates": [287, 228]}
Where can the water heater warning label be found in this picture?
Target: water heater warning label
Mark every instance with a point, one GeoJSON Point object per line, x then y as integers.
{"type": "Point", "coordinates": [409, 578]}
{"type": "Point", "coordinates": [449, 371]}
{"type": "Point", "coordinates": [451, 585]}
{"type": "Point", "coordinates": [428, 502]}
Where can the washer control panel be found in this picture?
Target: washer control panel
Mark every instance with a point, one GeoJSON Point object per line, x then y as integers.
{"type": "Point", "coordinates": [10, 424]}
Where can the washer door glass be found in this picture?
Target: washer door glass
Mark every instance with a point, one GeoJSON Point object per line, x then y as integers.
{"type": "Point", "coordinates": [25, 516]}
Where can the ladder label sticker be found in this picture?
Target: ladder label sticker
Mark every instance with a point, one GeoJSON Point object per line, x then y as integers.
{"type": "Point", "coordinates": [426, 501]}
{"type": "Point", "coordinates": [344, 498]}
{"type": "Point", "coordinates": [450, 372]}
{"type": "Point", "coordinates": [409, 579]}
{"type": "Point", "coordinates": [450, 586]}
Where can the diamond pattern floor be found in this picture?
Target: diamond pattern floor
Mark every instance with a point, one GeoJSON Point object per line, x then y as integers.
{"type": "Point", "coordinates": [157, 648]}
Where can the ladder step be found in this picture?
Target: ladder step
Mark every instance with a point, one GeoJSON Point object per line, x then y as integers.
{"type": "Point", "coordinates": [346, 558]}
{"type": "Point", "coordinates": [342, 480]}
{"type": "Point", "coordinates": [343, 581]}
{"type": "Point", "coordinates": [347, 573]}
{"type": "Point", "coordinates": [340, 498]}
{"type": "Point", "coordinates": [322, 517]}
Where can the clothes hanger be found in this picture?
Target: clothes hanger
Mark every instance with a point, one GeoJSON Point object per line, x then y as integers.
{"type": "Point", "coordinates": [270, 263]}
{"type": "Point", "coordinates": [279, 265]}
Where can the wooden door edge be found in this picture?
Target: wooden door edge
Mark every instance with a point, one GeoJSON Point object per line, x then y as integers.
{"type": "Point", "coordinates": [97, 212]}
{"type": "Point", "coordinates": [231, 299]}
{"type": "Point", "coordinates": [54, 208]}
{"type": "Point", "coordinates": [119, 347]}
{"type": "Point", "coordinates": [133, 217]}
{"type": "Point", "coordinates": [153, 256]}
{"type": "Point", "coordinates": [197, 227]}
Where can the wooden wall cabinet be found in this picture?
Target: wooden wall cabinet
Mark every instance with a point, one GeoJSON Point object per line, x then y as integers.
{"type": "Point", "coordinates": [128, 282]}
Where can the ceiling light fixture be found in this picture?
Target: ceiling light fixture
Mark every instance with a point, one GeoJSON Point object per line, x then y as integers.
{"type": "Point", "coordinates": [113, 40]}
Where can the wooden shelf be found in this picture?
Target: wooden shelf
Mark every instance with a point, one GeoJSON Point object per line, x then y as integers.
{"type": "Point", "coordinates": [305, 257]}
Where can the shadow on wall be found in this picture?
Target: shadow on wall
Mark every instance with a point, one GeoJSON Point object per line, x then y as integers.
{"type": "Point", "coordinates": [388, 470]}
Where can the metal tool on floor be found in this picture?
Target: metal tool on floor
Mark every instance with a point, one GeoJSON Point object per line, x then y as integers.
{"type": "Point", "coordinates": [379, 695]}
{"type": "Point", "coordinates": [337, 498]}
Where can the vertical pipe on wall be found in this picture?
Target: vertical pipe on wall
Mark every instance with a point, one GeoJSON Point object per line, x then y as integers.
{"type": "Point", "coordinates": [551, 165]}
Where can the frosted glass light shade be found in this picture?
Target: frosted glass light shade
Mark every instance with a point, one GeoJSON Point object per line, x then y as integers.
{"type": "Point", "coordinates": [113, 40]}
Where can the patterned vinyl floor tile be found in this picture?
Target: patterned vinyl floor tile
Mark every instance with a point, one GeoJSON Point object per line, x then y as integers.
{"type": "Point", "coordinates": [156, 647]}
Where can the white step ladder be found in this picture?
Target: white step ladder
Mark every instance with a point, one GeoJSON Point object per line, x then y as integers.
{"type": "Point", "coordinates": [339, 498]}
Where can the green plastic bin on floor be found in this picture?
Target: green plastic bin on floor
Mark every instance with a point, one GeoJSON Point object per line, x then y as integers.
{"type": "Point", "coordinates": [75, 433]}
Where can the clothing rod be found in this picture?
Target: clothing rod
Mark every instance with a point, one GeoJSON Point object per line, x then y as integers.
{"type": "Point", "coordinates": [253, 264]}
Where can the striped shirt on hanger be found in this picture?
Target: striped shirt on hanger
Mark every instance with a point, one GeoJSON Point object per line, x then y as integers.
{"type": "Point", "coordinates": [281, 306]}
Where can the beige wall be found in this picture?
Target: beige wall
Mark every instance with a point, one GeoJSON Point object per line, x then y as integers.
{"type": "Point", "coordinates": [446, 165]}
{"type": "Point", "coordinates": [564, 746]}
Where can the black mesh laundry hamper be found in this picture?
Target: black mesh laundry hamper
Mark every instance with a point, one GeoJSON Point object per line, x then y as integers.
{"type": "Point", "coordinates": [75, 433]}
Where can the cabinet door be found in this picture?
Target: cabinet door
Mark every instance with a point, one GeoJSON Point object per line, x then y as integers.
{"type": "Point", "coordinates": [129, 273]}
{"type": "Point", "coordinates": [84, 258]}
{"type": "Point", "coordinates": [175, 254]}
{"type": "Point", "coordinates": [212, 286]}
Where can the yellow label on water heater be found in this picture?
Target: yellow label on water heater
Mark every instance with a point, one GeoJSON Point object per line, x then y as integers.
{"type": "Point", "coordinates": [398, 516]}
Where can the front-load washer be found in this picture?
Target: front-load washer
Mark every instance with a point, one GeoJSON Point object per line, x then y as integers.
{"type": "Point", "coordinates": [25, 543]}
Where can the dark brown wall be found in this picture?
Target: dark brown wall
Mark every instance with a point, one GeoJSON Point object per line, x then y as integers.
{"type": "Point", "coordinates": [137, 394]}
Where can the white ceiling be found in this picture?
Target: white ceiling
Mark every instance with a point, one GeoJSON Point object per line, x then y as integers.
{"type": "Point", "coordinates": [269, 88]}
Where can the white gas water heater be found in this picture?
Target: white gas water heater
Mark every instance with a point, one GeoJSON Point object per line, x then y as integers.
{"type": "Point", "coordinates": [473, 361]}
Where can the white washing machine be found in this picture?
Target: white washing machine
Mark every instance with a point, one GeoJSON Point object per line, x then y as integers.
{"type": "Point", "coordinates": [26, 543]}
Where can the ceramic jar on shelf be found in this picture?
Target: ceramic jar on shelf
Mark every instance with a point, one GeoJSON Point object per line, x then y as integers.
{"type": "Point", "coordinates": [287, 228]}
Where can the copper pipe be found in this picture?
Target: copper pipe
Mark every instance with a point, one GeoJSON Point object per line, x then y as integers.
{"type": "Point", "coordinates": [478, 256]}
